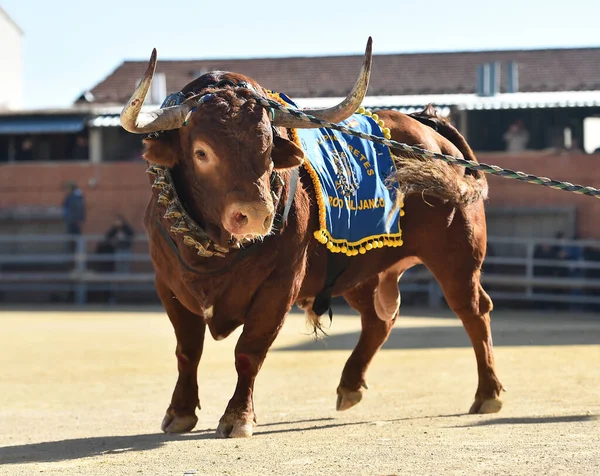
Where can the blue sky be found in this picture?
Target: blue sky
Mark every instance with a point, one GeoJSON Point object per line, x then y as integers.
{"type": "Point", "coordinates": [71, 45]}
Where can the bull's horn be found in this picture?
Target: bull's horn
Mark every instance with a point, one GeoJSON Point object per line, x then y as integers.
{"type": "Point", "coordinates": [337, 113]}
{"type": "Point", "coordinates": [133, 120]}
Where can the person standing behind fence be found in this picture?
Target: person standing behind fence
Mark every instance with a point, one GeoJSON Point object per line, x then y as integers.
{"type": "Point", "coordinates": [120, 235]}
{"type": "Point", "coordinates": [73, 213]}
{"type": "Point", "coordinates": [516, 137]}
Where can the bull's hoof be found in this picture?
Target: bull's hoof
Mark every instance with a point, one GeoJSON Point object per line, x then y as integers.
{"type": "Point", "coordinates": [490, 405]}
{"type": "Point", "coordinates": [348, 398]}
{"type": "Point", "coordinates": [178, 424]}
{"type": "Point", "coordinates": [234, 428]}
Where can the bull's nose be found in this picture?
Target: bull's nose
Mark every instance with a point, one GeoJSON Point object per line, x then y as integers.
{"type": "Point", "coordinates": [248, 219]}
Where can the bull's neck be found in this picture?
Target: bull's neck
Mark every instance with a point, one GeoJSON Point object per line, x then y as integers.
{"type": "Point", "coordinates": [181, 224]}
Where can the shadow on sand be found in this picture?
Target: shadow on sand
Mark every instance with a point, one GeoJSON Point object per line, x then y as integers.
{"type": "Point", "coordinates": [533, 420]}
{"type": "Point", "coordinates": [104, 445]}
{"type": "Point", "coordinates": [428, 337]}
{"type": "Point", "coordinates": [77, 448]}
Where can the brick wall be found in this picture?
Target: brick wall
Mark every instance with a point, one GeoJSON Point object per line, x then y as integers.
{"type": "Point", "coordinates": [109, 188]}
{"type": "Point", "coordinates": [577, 169]}
{"type": "Point", "coordinates": [124, 187]}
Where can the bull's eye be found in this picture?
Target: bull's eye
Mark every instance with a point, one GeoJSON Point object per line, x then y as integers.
{"type": "Point", "coordinates": [200, 154]}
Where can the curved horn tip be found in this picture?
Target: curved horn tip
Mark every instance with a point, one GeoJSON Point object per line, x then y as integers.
{"type": "Point", "coordinates": [152, 61]}
{"type": "Point", "coordinates": [368, 57]}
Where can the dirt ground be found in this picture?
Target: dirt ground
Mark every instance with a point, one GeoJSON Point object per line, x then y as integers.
{"type": "Point", "coordinates": [83, 393]}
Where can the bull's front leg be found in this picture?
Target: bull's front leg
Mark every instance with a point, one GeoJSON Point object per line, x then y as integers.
{"type": "Point", "coordinates": [189, 331]}
{"type": "Point", "coordinates": [263, 322]}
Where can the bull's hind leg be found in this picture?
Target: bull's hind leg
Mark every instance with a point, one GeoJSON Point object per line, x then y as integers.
{"type": "Point", "coordinates": [458, 270]}
{"type": "Point", "coordinates": [378, 302]}
{"type": "Point", "coordinates": [189, 331]}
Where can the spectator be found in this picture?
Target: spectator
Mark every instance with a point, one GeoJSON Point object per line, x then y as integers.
{"type": "Point", "coordinates": [516, 137]}
{"type": "Point", "coordinates": [120, 235]}
{"type": "Point", "coordinates": [73, 212]}
{"type": "Point", "coordinates": [103, 248]}
{"type": "Point", "coordinates": [576, 146]}
{"type": "Point", "coordinates": [25, 152]}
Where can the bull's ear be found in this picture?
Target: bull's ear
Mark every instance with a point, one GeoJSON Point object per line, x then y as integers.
{"type": "Point", "coordinates": [159, 151]}
{"type": "Point", "coordinates": [286, 154]}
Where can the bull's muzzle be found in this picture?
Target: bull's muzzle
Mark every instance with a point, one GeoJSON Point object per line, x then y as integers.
{"type": "Point", "coordinates": [248, 219]}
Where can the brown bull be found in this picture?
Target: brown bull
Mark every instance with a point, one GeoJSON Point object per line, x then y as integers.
{"type": "Point", "coordinates": [225, 255]}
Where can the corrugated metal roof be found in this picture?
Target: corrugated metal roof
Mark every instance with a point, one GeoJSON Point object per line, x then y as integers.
{"type": "Point", "coordinates": [105, 121]}
{"type": "Point", "coordinates": [410, 103]}
{"type": "Point", "coordinates": [443, 102]}
{"type": "Point", "coordinates": [537, 100]}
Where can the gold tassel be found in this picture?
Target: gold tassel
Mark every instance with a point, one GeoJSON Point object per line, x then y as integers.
{"type": "Point", "coordinates": [180, 227]}
{"type": "Point", "coordinates": [164, 197]}
{"type": "Point", "coordinates": [173, 211]}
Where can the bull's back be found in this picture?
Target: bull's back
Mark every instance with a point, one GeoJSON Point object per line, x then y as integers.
{"type": "Point", "coordinates": [408, 130]}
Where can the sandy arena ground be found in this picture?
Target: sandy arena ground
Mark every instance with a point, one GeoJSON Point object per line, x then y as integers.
{"type": "Point", "coordinates": [83, 393]}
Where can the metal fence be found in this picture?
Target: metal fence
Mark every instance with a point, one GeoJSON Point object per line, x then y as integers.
{"type": "Point", "coordinates": [76, 269]}
{"type": "Point", "coordinates": [71, 268]}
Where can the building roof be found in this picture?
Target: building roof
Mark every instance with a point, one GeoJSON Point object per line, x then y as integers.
{"type": "Point", "coordinates": [550, 70]}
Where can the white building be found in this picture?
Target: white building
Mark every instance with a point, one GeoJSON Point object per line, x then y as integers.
{"type": "Point", "coordinates": [11, 63]}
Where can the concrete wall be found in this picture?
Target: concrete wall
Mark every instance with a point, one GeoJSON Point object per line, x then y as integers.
{"type": "Point", "coordinates": [124, 187]}
{"type": "Point", "coordinates": [11, 63]}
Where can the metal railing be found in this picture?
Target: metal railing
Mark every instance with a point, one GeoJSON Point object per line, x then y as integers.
{"type": "Point", "coordinates": [76, 265]}
{"type": "Point", "coordinates": [512, 273]}
{"type": "Point", "coordinates": [72, 264]}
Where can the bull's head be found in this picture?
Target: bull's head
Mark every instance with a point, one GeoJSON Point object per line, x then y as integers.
{"type": "Point", "coordinates": [222, 149]}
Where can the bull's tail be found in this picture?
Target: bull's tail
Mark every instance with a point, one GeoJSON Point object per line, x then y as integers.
{"type": "Point", "coordinates": [449, 183]}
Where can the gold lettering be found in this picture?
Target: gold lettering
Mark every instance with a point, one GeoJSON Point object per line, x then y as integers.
{"type": "Point", "coordinates": [356, 152]}
{"type": "Point", "coordinates": [370, 172]}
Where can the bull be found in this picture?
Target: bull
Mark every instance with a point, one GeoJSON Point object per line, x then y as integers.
{"type": "Point", "coordinates": [231, 227]}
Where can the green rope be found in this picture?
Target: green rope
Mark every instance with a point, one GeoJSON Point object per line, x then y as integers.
{"type": "Point", "coordinates": [469, 164]}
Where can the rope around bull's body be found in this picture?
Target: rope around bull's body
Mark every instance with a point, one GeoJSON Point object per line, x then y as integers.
{"type": "Point", "coordinates": [489, 169]}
